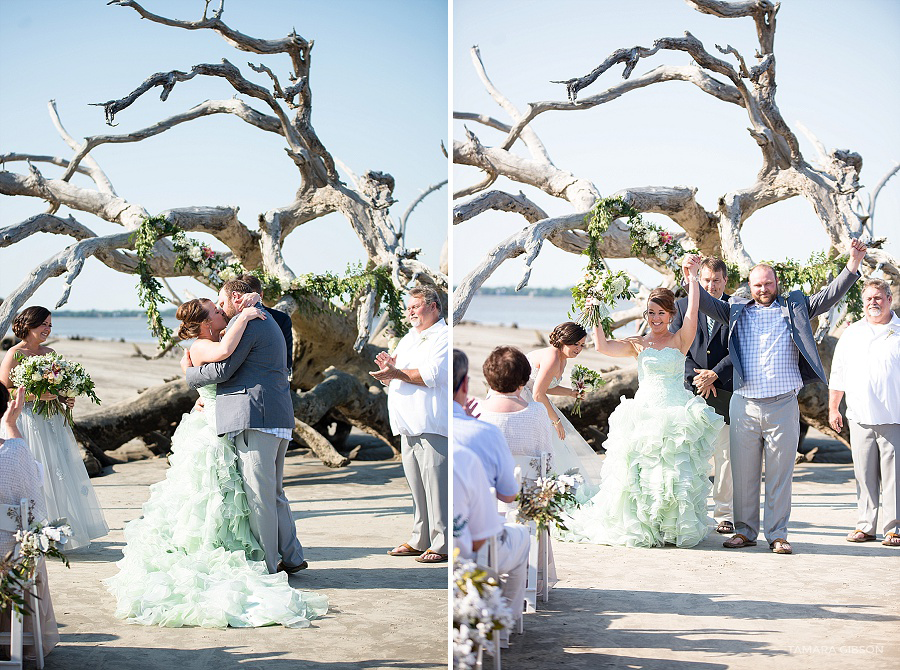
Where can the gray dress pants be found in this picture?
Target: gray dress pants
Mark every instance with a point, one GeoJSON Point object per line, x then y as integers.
{"type": "Point", "coordinates": [876, 466]}
{"type": "Point", "coordinates": [426, 468]}
{"type": "Point", "coordinates": [763, 428]}
{"type": "Point", "coordinates": [261, 462]}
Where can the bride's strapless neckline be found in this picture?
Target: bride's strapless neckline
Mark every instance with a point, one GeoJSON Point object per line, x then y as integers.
{"type": "Point", "coordinates": [663, 349]}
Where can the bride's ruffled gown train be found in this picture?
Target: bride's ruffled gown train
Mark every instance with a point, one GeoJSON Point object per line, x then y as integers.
{"type": "Point", "coordinates": [654, 483]}
{"type": "Point", "coordinates": [191, 559]}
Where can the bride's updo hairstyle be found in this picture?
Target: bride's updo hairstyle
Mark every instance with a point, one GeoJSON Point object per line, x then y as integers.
{"type": "Point", "coordinates": [566, 333]}
{"type": "Point", "coordinates": [506, 369]}
{"type": "Point", "coordinates": [192, 314]}
{"type": "Point", "coordinates": [664, 298]}
{"type": "Point", "coordinates": [28, 318]}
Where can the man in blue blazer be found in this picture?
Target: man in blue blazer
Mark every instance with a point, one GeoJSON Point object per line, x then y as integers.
{"type": "Point", "coordinates": [707, 370]}
{"type": "Point", "coordinates": [773, 354]}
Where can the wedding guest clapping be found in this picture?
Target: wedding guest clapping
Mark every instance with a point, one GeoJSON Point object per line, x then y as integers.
{"type": "Point", "coordinates": [416, 377]}
{"type": "Point", "coordinates": [866, 369]}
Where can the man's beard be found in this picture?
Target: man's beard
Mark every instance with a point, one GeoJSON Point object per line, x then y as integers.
{"type": "Point", "coordinates": [874, 311]}
{"type": "Point", "coordinates": [765, 301]}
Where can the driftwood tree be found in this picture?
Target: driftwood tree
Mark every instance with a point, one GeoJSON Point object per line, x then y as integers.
{"type": "Point", "coordinates": [332, 349]}
{"type": "Point", "coordinates": [831, 186]}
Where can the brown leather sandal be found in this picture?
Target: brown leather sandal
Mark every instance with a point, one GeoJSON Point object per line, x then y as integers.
{"type": "Point", "coordinates": [781, 546]}
{"type": "Point", "coordinates": [405, 550]}
{"type": "Point", "coordinates": [738, 541]}
{"type": "Point", "coordinates": [860, 536]}
{"type": "Point", "coordinates": [891, 540]}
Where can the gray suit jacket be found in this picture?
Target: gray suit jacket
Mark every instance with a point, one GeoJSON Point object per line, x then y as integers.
{"type": "Point", "coordinates": [797, 308]}
{"type": "Point", "coordinates": [253, 389]}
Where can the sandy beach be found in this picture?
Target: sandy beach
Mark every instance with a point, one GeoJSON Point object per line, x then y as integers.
{"type": "Point", "coordinates": [384, 612]}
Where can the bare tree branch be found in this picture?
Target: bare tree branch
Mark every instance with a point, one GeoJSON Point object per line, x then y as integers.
{"type": "Point", "coordinates": [104, 185]}
{"type": "Point", "coordinates": [528, 136]}
{"type": "Point", "coordinates": [44, 223]}
{"type": "Point", "coordinates": [489, 121]}
{"type": "Point", "coordinates": [409, 210]}
{"type": "Point", "coordinates": [501, 201]}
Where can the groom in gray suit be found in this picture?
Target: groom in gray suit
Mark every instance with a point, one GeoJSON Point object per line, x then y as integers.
{"type": "Point", "coordinates": [254, 408]}
{"type": "Point", "coordinates": [773, 353]}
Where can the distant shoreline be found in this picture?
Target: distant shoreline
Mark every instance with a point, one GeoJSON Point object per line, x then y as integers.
{"type": "Point", "coordinates": [108, 314]}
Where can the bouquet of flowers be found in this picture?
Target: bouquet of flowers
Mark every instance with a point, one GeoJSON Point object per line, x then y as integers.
{"type": "Point", "coordinates": [51, 373]}
{"type": "Point", "coordinates": [584, 379]}
{"type": "Point", "coordinates": [479, 611]}
{"type": "Point", "coordinates": [544, 499]}
{"type": "Point", "coordinates": [603, 287]}
{"type": "Point", "coordinates": [39, 539]}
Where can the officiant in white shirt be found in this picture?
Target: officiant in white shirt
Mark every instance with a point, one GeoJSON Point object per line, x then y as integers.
{"type": "Point", "coordinates": [416, 377]}
{"type": "Point", "coordinates": [866, 369]}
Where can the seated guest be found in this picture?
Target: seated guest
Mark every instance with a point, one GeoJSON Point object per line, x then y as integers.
{"type": "Point", "coordinates": [482, 438]}
{"type": "Point", "coordinates": [475, 520]}
{"type": "Point", "coordinates": [21, 477]}
{"type": "Point", "coordinates": [523, 423]}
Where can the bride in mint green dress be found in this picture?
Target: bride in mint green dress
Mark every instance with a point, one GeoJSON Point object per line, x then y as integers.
{"type": "Point", "coordinates": [654, 483]}
{"type": "Point", "coordinates": [191, 559]}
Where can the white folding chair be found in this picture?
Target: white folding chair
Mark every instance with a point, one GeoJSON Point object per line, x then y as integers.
{"type": "Point", "coordinates": [13, 518]}
{"type": "Point", "coordinates": [486, 558]}
{"type": "Point", "coordinates": [531, 468]}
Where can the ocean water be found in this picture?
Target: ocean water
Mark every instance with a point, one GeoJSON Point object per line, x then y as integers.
{"type": "Point", "coordinates": [128, 328]}
{"type": "Point", "coordinates": [540, 312]}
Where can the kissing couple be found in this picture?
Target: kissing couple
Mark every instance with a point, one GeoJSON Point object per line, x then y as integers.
{"type": "Point", "coordinates": [217, 541]}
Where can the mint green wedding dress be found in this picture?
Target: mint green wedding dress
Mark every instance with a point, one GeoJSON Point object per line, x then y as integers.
{"type": "Point", "coordinates": [654, 482]}
{"type": "Point", "coordinates": [191, 559]}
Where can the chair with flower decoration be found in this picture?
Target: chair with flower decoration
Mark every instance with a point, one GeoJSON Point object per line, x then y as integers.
{"type": "Point", "coordinates": [532, 468]}
{"type": "Point", "coordinates": [14, 518]}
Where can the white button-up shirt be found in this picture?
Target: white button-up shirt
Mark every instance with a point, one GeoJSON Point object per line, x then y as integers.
{"type": "Point", "coordinates": [474, 508]}
{"type": "Point", "coordinates": [866, 367]}
{"type": "Point", "coordinates": [418, 409]}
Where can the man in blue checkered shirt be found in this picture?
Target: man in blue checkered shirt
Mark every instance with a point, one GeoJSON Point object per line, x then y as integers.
{"type": "Point", "coordinates": [773, 351]}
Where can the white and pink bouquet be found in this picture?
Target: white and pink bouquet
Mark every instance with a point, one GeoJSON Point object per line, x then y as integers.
{"type": "Point", "coordinates": [593, 297]}
{"type": "Point", "coordinates": [51, 373]}
{"type": "Point", "coordinates": [584, 379]}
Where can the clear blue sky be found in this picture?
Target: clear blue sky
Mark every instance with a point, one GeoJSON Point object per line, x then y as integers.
{"type": "Point", "coordinates": [379, 89]}
{"type": "Point", "coordinates": [838, 65]}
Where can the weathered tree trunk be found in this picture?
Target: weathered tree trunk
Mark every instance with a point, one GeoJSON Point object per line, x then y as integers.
{"type": "Point", "coordinates": [322, 337]}
{"type": "Point", "coordinates": [159, 409]}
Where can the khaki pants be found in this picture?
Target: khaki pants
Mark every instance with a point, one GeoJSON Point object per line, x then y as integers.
{"type": "Point", "coordinates": [261, 462]}
{"type": "Point", "coordinates": [426, 468]}
{"type": "Point", "coordinates": [763, 428]}
{"type": "Point", "coordinates": [876, 466]}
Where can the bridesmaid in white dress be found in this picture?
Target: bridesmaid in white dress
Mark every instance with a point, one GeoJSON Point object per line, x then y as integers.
{"type": "Point", "coordinates": [548, 365]}
{"type": "Point", "coordinates": [67, 490]}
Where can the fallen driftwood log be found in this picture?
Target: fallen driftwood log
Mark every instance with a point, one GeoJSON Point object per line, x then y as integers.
{"type": "Point", "coordinates": [157, 411]}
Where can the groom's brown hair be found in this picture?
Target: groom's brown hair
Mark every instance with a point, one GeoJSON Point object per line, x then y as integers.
{"type": "Point", "coordinates": [237, 286]}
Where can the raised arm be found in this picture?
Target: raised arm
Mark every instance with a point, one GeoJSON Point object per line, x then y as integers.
{"type": "Point", "coordinates": [207, 351]}
{"type": "Point", "coordinates": [617, 348]}
{"type": "Point", "coordinates": [685, 335]}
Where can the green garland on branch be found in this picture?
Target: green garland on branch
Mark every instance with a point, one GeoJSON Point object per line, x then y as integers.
{"type": "Point", "coordinates": [648, 239]}
{"type": "Point", "coordinates": [313, 293]}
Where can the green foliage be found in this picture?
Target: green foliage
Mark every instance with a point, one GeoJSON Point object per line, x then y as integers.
{"type": "Point", "coordinates": [814, 275]}
{"type": "Point", "coordinates": [313, 293]}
